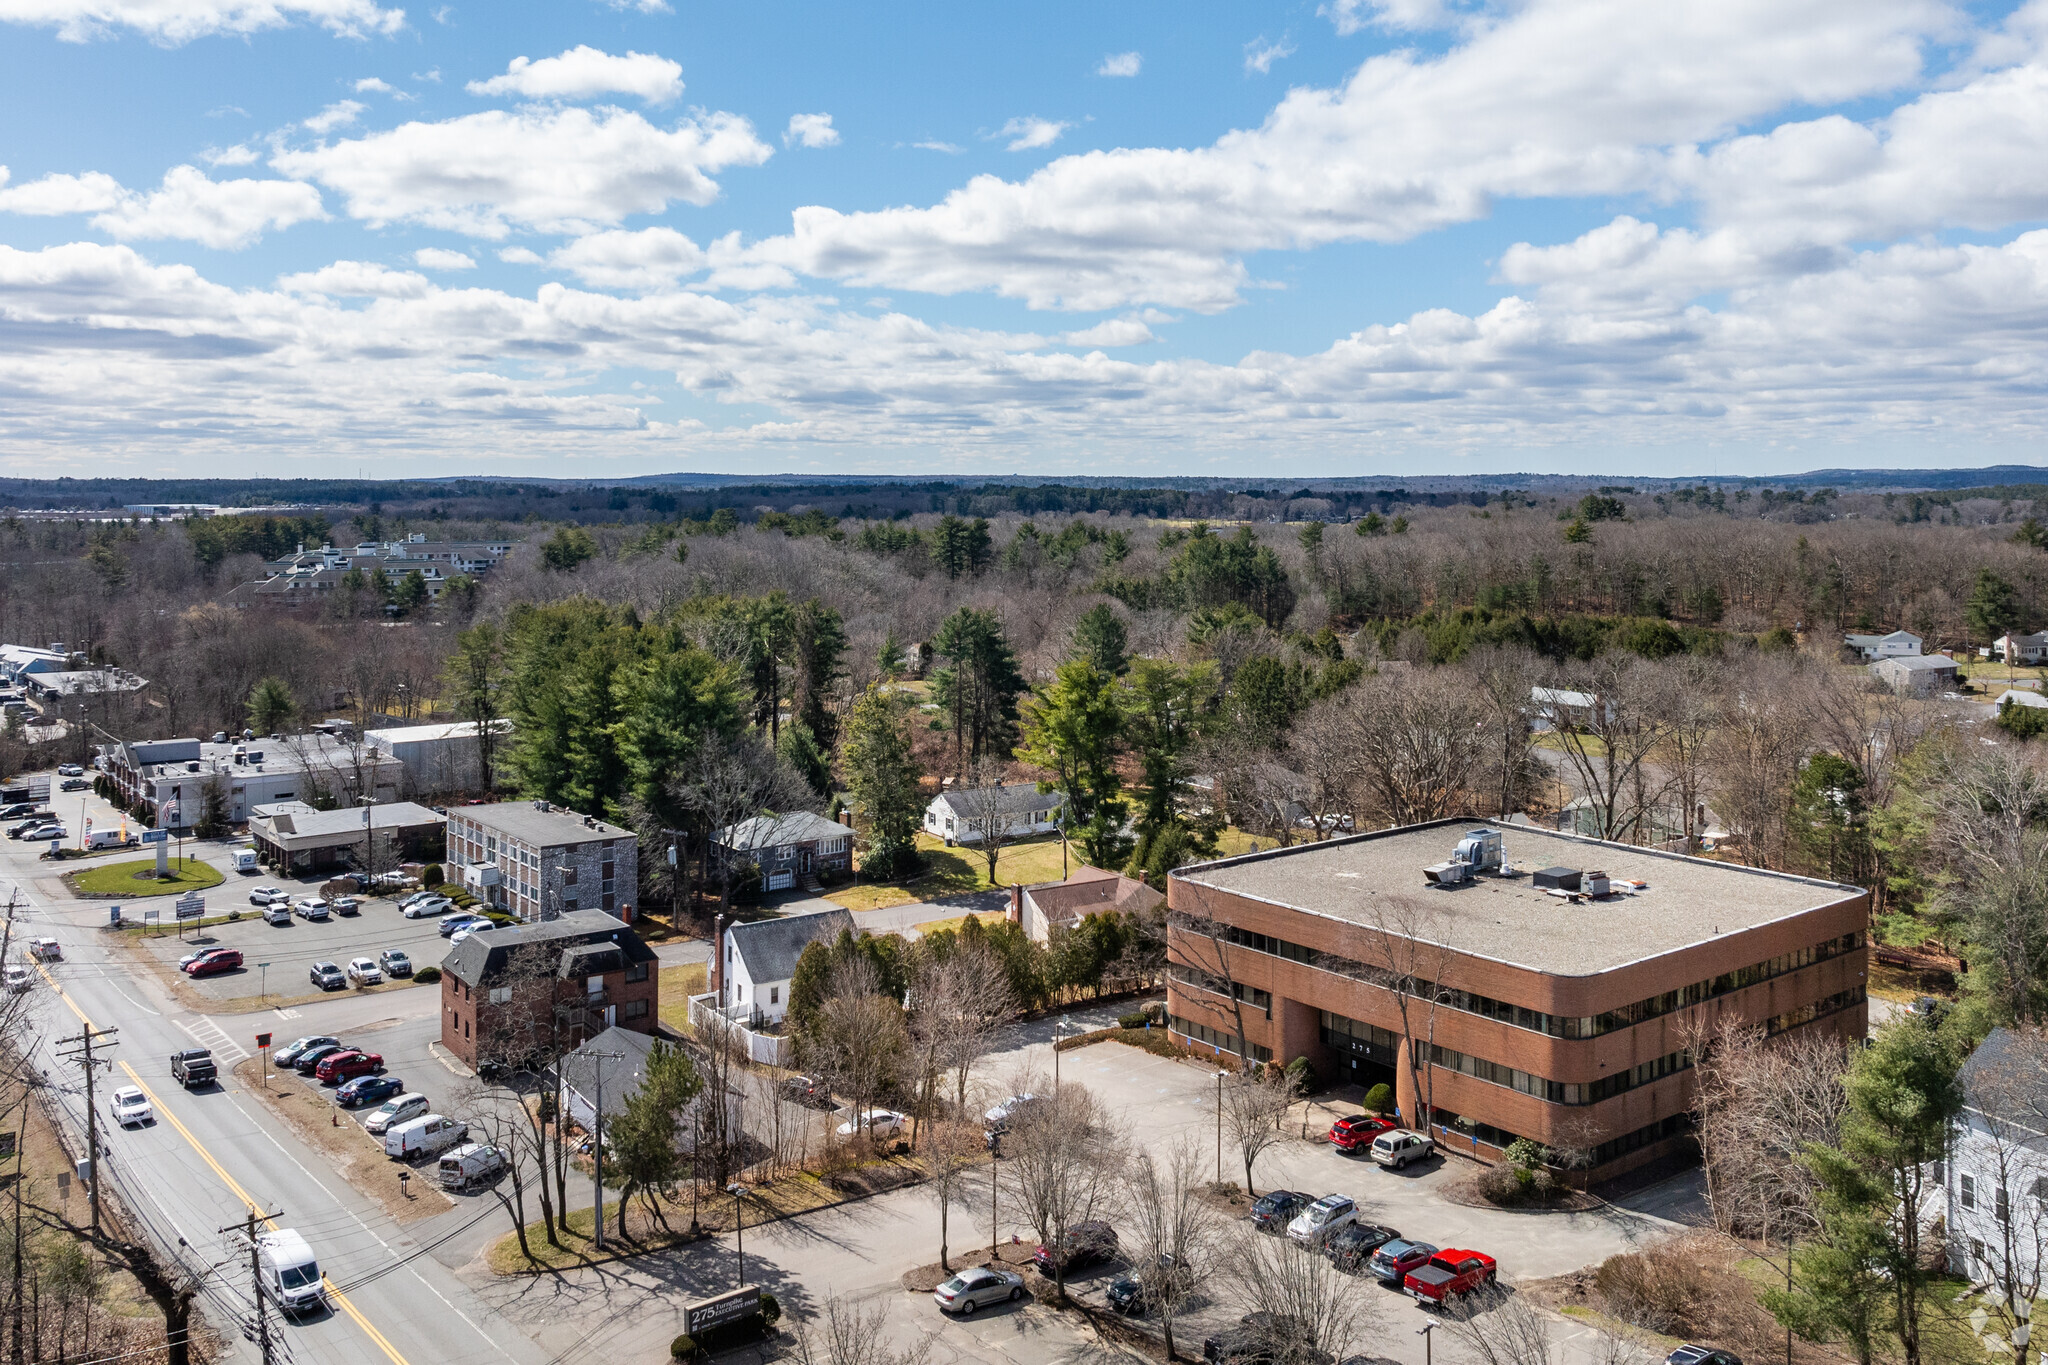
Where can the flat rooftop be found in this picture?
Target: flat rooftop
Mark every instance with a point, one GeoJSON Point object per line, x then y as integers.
{"type": "Point", "coordinates": [541, 824]}
{"type": "Point", "coordinates": [1369, 879]}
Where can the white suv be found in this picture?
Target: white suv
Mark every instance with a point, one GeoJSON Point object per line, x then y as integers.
{"type": "Point", "coordinates": [1398, 1148]}
{"type": "Point", "coordinates": [267, 895]}
{"type": "Point", "coordinates": [364, 972]}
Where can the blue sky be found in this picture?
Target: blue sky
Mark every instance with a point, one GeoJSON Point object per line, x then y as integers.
{"type": "Point", "coordinates": [1361, 236]}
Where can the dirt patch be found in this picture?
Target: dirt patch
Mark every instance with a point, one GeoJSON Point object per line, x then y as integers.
{"type": "Point", "coordinates": [670, 1220]}
{"type": "Point", "coordinates": [1467, 1192]}
{"type": "Point", "coordinates": [1692, 1287]}
{"type": "Point", "coordinates": [355, 1156]}
{"type": "Point", "coordinates": [1226, 1198]}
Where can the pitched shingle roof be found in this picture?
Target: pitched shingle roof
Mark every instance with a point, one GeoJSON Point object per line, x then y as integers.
{"type": "Point", "coordinates": [1015, 797]}
{"type": "Point", "coordinates": [487, 952]}
{"type": "Point", "coordinates": [773, 831]}
{"type": "Point", "coordinates": [770, 947]}
{"type": "Point", "coordinates": [622, 1076]}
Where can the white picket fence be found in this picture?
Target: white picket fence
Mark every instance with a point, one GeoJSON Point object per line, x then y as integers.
{"type": "Point", "coordinates": [767, 1048]}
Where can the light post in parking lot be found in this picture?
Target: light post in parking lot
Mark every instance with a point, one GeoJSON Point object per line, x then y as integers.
{"type": "Point", "coordinates": [739, 1224]}
{"type": "Point", "coordinates": [369, 863]}
{"type": "Point", "coordinates": [597, 1061]}
{"type": "Point", "coordinates": [1428, 1356]}
{"type": "Point", "coordinates": [1219, 1125]}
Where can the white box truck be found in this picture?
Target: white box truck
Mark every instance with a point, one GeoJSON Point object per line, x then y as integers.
{"type": "Point", "coordinates": [289, 1274]}
{"type": "Point", "coordinates": [245, 861]}
{"type": "Point", "coordinates": [428, 1135]}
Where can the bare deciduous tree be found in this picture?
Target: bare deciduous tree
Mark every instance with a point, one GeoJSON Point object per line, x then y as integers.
{"type": "Point", "coordinates": [859, 1042]}
{"type": "Point", "coordinates": [1758, 1105]}
{"type": "Point", "coordinates": [1417, 743]}
{"type": "Point", "coordinates": [1254, 1105]}
{"type": "Point", "coordinates": [948, 1150]}
{"type": "Point", "coordinates": [1060, 1165]}
{"type": "Point", "coordinates": [1175, 1231]}
{"type": "Point", "coordinates": [1608, 737]}
{"type": "Point", "coordinates": [985, 810]}
{"type": "Point", "coordinates": [1406, 947]}
{"type": "Point", "coordinates": [959, 1003]}
{"type": "Point", "coordinates": [730, 780]}
{"type": "Point", "coordinates": [1305, 1309]}
{"type": "Point", "coordinates": [850, 1333]}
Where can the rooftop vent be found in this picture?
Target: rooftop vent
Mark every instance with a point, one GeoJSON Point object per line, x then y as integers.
{"type": "Point", "coordinates": [1595, 884]}
{"type": "Point", "coordinates": [1558, 879]}
{"type": "Point", "coordinates": [541, 806]}
{"type": "Point", "coordinates": [1478, 851]}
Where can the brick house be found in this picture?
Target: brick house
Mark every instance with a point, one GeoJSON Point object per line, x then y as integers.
{"type": "Point", "coordinates": [506, 993]}
{"type": "Point", "coordinates": [787, 848]}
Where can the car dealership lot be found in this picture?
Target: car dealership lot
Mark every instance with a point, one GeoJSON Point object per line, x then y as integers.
{"type": "Point", "coordinates": [293, 947]}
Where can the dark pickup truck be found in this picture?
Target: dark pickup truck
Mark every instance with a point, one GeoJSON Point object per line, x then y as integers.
{"type": "Point", "coordinates": [1448, 1275]}
{"type": "Point", "coordinates": [193, 1067]}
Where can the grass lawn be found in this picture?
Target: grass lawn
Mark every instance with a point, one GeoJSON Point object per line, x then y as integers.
{"type": "Point", "coordinates": [988, 918]}
{"type": "Point", "coordinates": [138, 878]}
{"type": "Point", "coordinates": [959, 871]}
{"type": "Point", "coordinates": [677, 985]}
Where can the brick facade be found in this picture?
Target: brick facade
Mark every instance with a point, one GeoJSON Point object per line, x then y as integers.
{"type": "Point", "coordinates": [547, 987]}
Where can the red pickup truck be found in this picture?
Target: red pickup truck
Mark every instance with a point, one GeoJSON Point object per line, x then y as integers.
{"type": "Point", "coordinates": [1449, 1274]}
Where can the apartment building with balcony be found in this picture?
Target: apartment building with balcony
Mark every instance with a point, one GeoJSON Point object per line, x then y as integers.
{"type": "Point", "coordinates": [535, 860]}
{"type": "Point", "coordinates": [1549, 1001]}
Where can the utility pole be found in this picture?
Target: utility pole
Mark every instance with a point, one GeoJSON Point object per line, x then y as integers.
{"type": "Point", "coordinates": [261, 1332]}
{"type": "Point", "coordinates": [597, 1061]}
{"type": "Point", "coordinates": [16, 1351]}
{"type": "Point", "coordinates": [84, 1043]}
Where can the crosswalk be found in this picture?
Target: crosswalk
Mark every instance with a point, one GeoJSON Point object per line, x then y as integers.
{"type": "Point", "coordinates": [214, 1039]}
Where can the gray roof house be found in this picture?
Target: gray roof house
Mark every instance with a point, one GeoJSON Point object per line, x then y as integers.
{"type": "Point", "coordinates": [759, 959]}
{"type": "Point", "coordinates": [956, 815]}
{"type": "Point", "coordinates": [1916, 674]}
{"type": "Point", "coordinates": [1999, 1161]}
{"type": "Point", "coordinates": [623, 1075]}
{"type": "Point", "coordinates": [788, 847]}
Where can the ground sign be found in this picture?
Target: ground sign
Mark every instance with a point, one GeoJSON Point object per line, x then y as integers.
{"type": "Point", "coordinates": [704, 1314]}
{"type": "Point", "coordinates": [191, 907]}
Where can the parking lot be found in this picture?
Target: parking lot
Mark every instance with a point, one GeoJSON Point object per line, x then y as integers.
{"type": "Point", "coordinates": [292, 949]}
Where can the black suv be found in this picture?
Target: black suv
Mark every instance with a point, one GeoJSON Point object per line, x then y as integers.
{"type": "Point", "coordinates": [1351, 1245]}
{"type": "Point", "coordinates": [1086, 1243]}
{"type": "Point", "coordinates": [1275, 1209]}
{"type": "Point", "coordinates": [193, 1067]}
{"type": "Point", "coordinates": [1128, 1296]}
{"type": "Point", "coordinates": [1260, 1339]}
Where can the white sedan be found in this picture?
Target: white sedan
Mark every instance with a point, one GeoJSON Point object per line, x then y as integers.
{"type": "Point", "coordinates": [878, 1123]}
{"type": "Point", "coordinates": [16, 978]}
{"type": "Point", "coordinates": [130, 1105]}
{"type": "Point", "coordinates": [428, 908]}
{"type": "Point", "coordinates": [364, 971]}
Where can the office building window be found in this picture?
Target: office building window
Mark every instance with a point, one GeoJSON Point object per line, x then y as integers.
{"type": "Point", "coordinates": [1967, 1190]}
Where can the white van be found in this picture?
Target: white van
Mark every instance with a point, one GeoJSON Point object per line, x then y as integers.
{"type": "Point", "coordinates": [470, 1165]}
{"type": "Point", "coordinates": [106, 838]}
{"type": "Point", "coordinates": [245, 861]}
{"type": "Point", "coordinates": [428, 1135]}
{"type": "Point", "coordinates": [288, 1272]}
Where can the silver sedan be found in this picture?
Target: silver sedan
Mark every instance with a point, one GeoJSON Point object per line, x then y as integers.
{"type": "Point", "coordinates": [972, 1289]}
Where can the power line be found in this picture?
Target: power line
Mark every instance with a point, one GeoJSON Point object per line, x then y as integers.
{"type": "Point", "coordinates": [87, 1037]}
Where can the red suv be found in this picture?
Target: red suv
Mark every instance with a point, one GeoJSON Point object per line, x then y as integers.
{"type": "Point", "coordinates": [342, 1066]}
{"type": "Point", "coordinates": [1357, 1132]}
{"type": "Point", "coordinates": [219, 960]}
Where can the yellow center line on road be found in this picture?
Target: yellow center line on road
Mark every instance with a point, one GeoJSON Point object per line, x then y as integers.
{"type": "Point", "coordinates": [339, 1299]}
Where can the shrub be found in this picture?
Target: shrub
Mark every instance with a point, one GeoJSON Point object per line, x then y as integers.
{"type": "Point", "coordinates": [431, 873]}
{"type": "Point", "coordinates": [770, 1308]}
{"type": "Point", "coordinates": [2023, 722]}
{"type": "Point", "coordinates": [682, 1348]}
{"type": "Point", "coordinates": [427, 976]}
{"type": "Point", "coordinates": [1659, 1289]}
{"type": "Point", "coordinates": [1525, 1154]}
{"type": "Point", "coordinates": [1138, 1020]}
{"type": "Point", "coordinates": [1498, 1185]}
{"type": "Point", "coordinates": [1380, 1099]}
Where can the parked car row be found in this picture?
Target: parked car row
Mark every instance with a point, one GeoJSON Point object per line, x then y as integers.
{"type": "Point", "coordinates": [1427, 1273]}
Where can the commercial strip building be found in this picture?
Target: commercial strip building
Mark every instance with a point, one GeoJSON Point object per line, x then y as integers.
{"type": "Point", "coordinates": [293, 837]}
{"type": "Point", "coordinates": [506, 993]}
{"type": "Point", "coordinates": [439, 760]}
{"type": "Point", "coordinates": [1531, 1010]}
{"type": "Point", "coordinates": [168, 779]}
{"type": "Point", "coordinates": [534, 860]}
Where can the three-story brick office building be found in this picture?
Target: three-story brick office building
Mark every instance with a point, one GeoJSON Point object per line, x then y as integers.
{"type": "Point", "coordinates": [535, 860]}
{"type": "Point", "coordinates": [1532, 1009]}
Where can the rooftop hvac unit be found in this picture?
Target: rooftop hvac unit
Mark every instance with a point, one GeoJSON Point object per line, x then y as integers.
{"type": "Point", "coordinates": [1558, 879]}
{"type": "Point", "coordinates": [1478, 851]}
{"type": "Point", "coordinates": [1595, 884]}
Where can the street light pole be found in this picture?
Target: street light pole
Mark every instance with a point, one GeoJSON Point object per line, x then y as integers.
{"type": "Point", "coordinates": [739, 1224]}
{"type": "Point", "coordinates": [995, 1158]}
{"type": "Point", "coordinates": [1219, 1125]}
{"type": "Point", "coordinates": [597, 1061]}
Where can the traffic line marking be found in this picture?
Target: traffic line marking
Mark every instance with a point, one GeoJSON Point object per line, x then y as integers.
{"type": "Point", "coordinates": [339, 1299]}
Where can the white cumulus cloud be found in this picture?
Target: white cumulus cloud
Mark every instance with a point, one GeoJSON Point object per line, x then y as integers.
{"type": "Point", "coordinates": [223, 214]}
{"type": "Point", "coordinates": [373, 85]}
{"type": "Point", "coordinates": [584, 71]}
{"type": "Point", "coordinates": [1121, 64]}
{"type": "Point", "coordinates": [1029, 134]}
{"type": "Point", "coordinates": [440, 258]}
{"type": "Point", "coordinates": [554, 170]}
{"type": "Point", "coordinates": [338, 115]}
{"type": "Point", "coordinates": [1259, 55]}
{"type": "Point", "coordinates": [171, 22]}
{"type": "Point", "coordinates": [241, 154]}
{"type": "Point", "coordinates": [520, 255]}
{"type": "Point", "coordinates": [810, 130]}
{"type": "Point", "coordinates": [358, 279]}
{"type": "Point", "coordinates": [652, 258]}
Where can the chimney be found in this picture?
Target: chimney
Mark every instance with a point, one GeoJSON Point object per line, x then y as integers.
{"type": "Point", "coordinates": [846, 817]}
